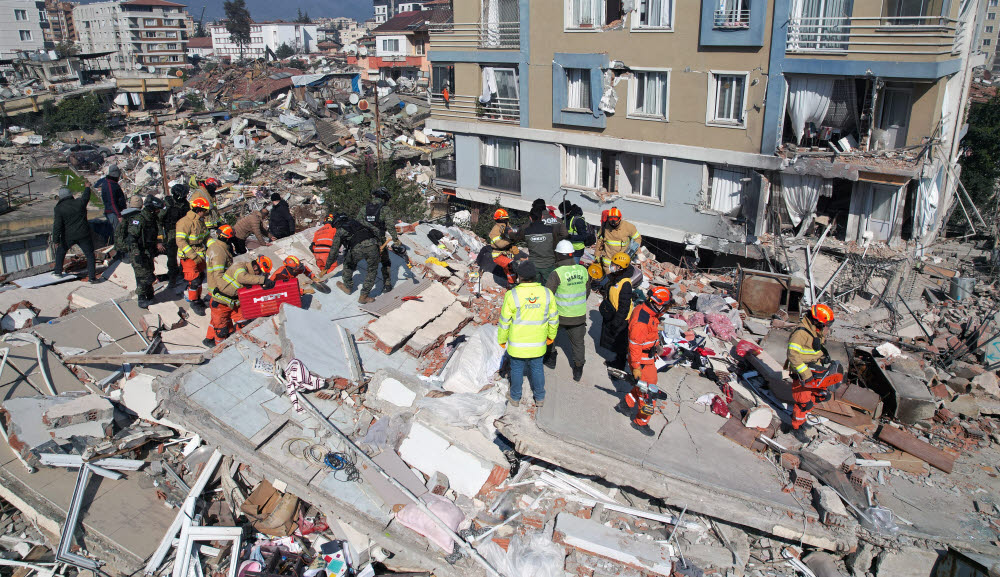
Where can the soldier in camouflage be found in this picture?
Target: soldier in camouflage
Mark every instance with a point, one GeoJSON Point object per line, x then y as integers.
{"type": "Point", "coordinates": [379, 219]}
{"type": "Point", "coordinates": [142, 246]}
{"type": "Point", "coordinates": [359, 245]}
{"type": "Point", "coordinates": [175, 209]}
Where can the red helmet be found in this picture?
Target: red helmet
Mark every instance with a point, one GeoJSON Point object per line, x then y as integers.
{"type": "Point", "coordinates": [500, 214]}
{"type": "Point", "coordinates": [264, 263]}
{"type": "Point", "coordinates": [201, 203]}
{"type": "Point", "coordinates": [821, 314]}
{"type": "Point", "coordinates": [225, 231]}
{"type": "Point", "coordinates": [293, 262]}
{"type": "Point", "coordinates": [659, 298]}
{"type": "Point", "coordinates": [210, 181]}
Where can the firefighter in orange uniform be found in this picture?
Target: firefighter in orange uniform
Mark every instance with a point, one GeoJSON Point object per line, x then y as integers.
{"type": "Point", "coordinates": [503, 246]}
{"type": "Point", "coordinates": [218, 259]}
{"type": "Point", "coordinates": [643, 348]}
{"type": "Point", "coordinates": [191, 236]}
{"type": "Point", "coordinates": [322, 243]}
{"type": "Point", "coordinates": [806, 350]}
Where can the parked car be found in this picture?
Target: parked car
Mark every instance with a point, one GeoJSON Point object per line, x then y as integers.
{"type": "Point", "coordinates": [84, 147]}
{"type": "Point", "coordinates": [134, 141]}
{"type": "Point", "coordinates": [86, 159]}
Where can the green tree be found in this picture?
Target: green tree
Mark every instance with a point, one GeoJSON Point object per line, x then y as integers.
{"type": "Point", "coordinates": [284, 51]}
{"type": "Point", "coordinates": [238, 23]}
{"type": "Point", "coordinates": [349, 193]}
{"type": "Point", "coordinates": [195, 102]}
{"type": "Point", "coordinates": [303, 18]}
{"type": "Point", "coordinates": [78, 113]}
{"type": "Point", "coordinates": [247, 166]}
{"type": "Point", "coordinates": [981, 166]}
{"type": "Point", "coordinates": [66, 49]}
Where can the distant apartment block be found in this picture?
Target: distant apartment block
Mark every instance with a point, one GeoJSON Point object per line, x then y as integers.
{"type": "Point", "coordinates": [61, 27]}
{"type": "Point", "coordinates": [21, 26]}
{"type": "Point", "coordinates": [263, 35]}
{"type": "Point", "coordinates": [386, 9]}
{"type": "Point", "coordinates": [145, 35]}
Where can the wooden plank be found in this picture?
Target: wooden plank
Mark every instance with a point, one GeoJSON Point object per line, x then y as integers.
{"type": "Point", "coordinates": [835, 406]}
{"type": "Point", "coordinates": [734, 430]}
{"type": "Point", "coordinates": [899, 460]}
{"type": "Point", "coordinates": [857, 421]}
{"type": "Point", "coordinates": [862, 399]}
{"type": "Point", "coordinates": [914, 446]}
{"type": "Point", "coordinates": [136, 359]}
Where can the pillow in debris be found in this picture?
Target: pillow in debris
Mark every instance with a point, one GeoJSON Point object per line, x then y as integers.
{"type": "Point", "coordinates": [412, 517]}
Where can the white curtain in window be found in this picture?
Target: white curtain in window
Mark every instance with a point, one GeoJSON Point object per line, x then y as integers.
{"type": "Point", "coordinates": [928, 197]}
{"type": "Point", "coordinates": [15, 261]}
{"type": "Point", "coordinates": [491, 16]}
{"type": "Point", "coordinates": [582, 166]}
{"type": "Point", "coordinates": [500, 152]}
{"type": "Point", "coordinates": [655, 13]}
{"type": "Point", "coordinates": [651, 93]}
{"type": "Point", "coordinates": [801, 192]}
{"type": "Point", "coordinates": [489, 152]}
{"type": "Point", "coordinates": [727, 189]}
{"type": "Point", "coordinates": [652, 177]}
{"type": "Point", "coordinates": [808, 101]}
{"type": "Point", "coordinates": [578, 88]}
{"type": "Point", "coordinates": [584, 12]}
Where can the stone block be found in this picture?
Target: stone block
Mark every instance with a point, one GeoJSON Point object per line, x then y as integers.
{"type": "Point", "coordinates": [914, 401]}
{"type": "Point", "coordinates": [395, 392]}
{"type": "Point", "coordinates": [449, 323]}
{"type": "Point", "coordinates": [964, 405]}
{"type": "Point", "coordinates": [631, 550]}
{"type": "Point", "coordinates": [430, 453]}
{"type": "Point", "coordinates": [91, 295]}
{"type": "Point", "coordinates": [959, 385]}
{"type": "Point", "coordinates": [967, 370]}
{"type": "Point", "coordinates": [393, 329]}
{"type": "Point", "coordinates": [829, 505]}
{"type": "Point", "coordinates": [907, 562]}
{"type": "Point", "coordinates": [987, 383]}
{"type": "Point", "coordinates": [84, 409]}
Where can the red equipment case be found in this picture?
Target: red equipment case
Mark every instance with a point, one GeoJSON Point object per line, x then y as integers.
{"type": "Point", "coordinates": [257, 302]}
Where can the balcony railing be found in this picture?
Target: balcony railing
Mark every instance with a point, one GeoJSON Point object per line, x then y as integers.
{"type": "Point", "coordinates": [499, 36]}
{"type": "Point", "coordinates": [505, 179]}
{"type": "Point", "coordinates": [444, 169]}
{"type": "Point", "coordinates": [730, 19]}
{"type": "Point", "coordinates": [928, 36]}
{"type": "Point", "coordinates": [469, 108]}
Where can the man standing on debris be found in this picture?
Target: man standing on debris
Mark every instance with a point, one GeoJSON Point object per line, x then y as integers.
{"type": "Point", "coordinates": [206, 189]}
{"type": "Point", "coordinates": [69, 227]}
{"type": "Point", "coordinates": [252, 223]}
{"type": "Point", "coordinates": [191, 236]}
{"type": "Point", "coordinates": [281, 223]}
{"type": "Point", "coordinates": [175, 209]}
{"type": "Point", "coordinates": [542, 239]}
{"type": "Point", "coordinates": [142, 247]}
{"type": "Point", "coordinates": [359, 245]}
{"type": "Point", "coordinates": [577, 231]}
{"type": "Point", "coordinates": [218, 259]}
{"type": "Point", "coordinates": [529, 322]}
{"type": "Point", "coordinates": [643, 348]}
{"type": "Point", "coordinates": [226, 300]}
{"type": "Point", "coordinates": [379, 219]}
{"type": "Point", "coordinates": [569, 283]}
{"type": "Point", "coordinates": [502, 242]}
{"type": "Point", "coordinates": [806, 349]}
{"type": "Point", "coordinates": [616, 309]}
{"type": "Point", "coordinates": [322, 243]}
{"type": "Point", "coordinates": [616, 236]}
{"type": "Point", "coordinates": [112, 196]}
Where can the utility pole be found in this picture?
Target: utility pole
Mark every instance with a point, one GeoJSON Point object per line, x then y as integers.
{"type": "Point", "coordinates": [378, 139]}
{"type": "Point", "coordinates": [159, 153]}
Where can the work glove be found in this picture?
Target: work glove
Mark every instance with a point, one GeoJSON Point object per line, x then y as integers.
{"type": "Point", "coordinates": [503, 345]}
{"type": "Point", "coordinates": [514, 250]}
{"type": "Point", "coordinates": [637, 373]}
{"type": "Point", "coordinates": [268, 284]}
{"type": "Point", "coordinates": [823, 396]}
{"type": "Point", "coordinates": [549, 342]}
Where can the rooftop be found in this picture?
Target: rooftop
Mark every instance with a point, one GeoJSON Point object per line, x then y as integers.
{"type": "Point", "coordinates": [415, 21]}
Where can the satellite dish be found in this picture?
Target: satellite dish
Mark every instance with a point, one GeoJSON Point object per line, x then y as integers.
{"type": "Point", "coordinates": [29, 91]}
{"type": "Point", "coordinates": [363, 105]}
{"type": "Point", "coordinates": [363, 51]}
{"type": "Point", "coordinates": [411, 109]}
{"type": "Point", "coordinates": [354, 98]}
{"type": "Point", "coordinates": [179, 74]}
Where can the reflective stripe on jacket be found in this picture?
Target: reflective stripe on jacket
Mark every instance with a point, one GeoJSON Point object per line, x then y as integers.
{"type": "Point", "coordinates": [643, 335]}
{"type": "Point", "coordinates": [191, 236]}
{"type": "Point", "coordinates": [571, 294]}
{"type": "Point", "coordinates": [323, 240]}
{"type": "Point", "coordinates": [238, 277]}
{"type": "Point", "coordinates": [802, 350]}
{"type": "Point", "coordinates": [614, 241]}
{"type": "Point", "coordinates": [217, 260]}
{"type": "Point", "coordinates": [571, 229]}
{"type": "Point", "coordinates": [528, 318]}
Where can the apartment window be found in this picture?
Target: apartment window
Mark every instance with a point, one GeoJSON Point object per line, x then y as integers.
{"type": "Point", "coordinates": [500, 164]}
{"type": "Point", "coordinates": [654, 14]}
{"type": "Point", "coordinates": [25, 35]}
{"type": "Point", "coordinates": [20, 14]}
{"type": "Point", "coordinates": [578, 88]}
{"type": "Point", "coordinates": [171, 47]}
{"type": "Point", "coordinates": [994, 3]}
{"type": "Point", "coordinates": [649, 94]}
{"type": "Point", "coordinates": [420, 49]}
{"type": "Point", "coordinates": [41, 16]}
{"type": "Point", "coordinates": [582, 167]}
{"type": "Point", "coordinates": [591, 14]}
{"type": "Point", "coordinates": [725, 188]}
{"type": "Point", "coordinates": [727, 99]}
{"type": "Point", "coordinates": [390, 45]}
{"type": "Point", "coordinates": [642, 176]}
{"type": "Point", "coordinates": [986, 42]}
{"type": "Point", "coordinates": [733, 14]}
{"type": "Point", "coordinates": [989, 30]}
{"type": "Point", "coordinates": [442, 75]}
{"type": "Point", "coordinates": [171, 35]}
{"type": "Point", "coordinates": [21, 255]}
{"type": "Point", "coordinates": [991, 16]}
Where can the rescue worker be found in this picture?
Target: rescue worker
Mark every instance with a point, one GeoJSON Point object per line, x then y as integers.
{"type": "Point", "coordinates": [321, 244]}
{"type": "Point", "coordinates": [359, 245]}
{"type": "Point", "coordinates": [191, 238]}
{"type": "Point", "coordinates": [806, 350]}
{"type": "Point", "coordinates": [175, 209]}
{"type": "Point", "coordinates": [577, 231]}
{"type": "Point", "coordinates": [529, 322]}
{"type": "Point", "coordinates": [112, 196]}
{"type": "Point", "coordinates": [569, 283]}
{"type": "Point", "coordinates": [218, 259]}
{"type": "Point", "coordinates": [503, 245]}
{"type": "Point", "coordinates": [616, 236]}
{"type": "Point", "coordinates": [378, 217]}
{"type": "Point", "coordinates": [643, 348]}
{"type": "Point", "coordinates": [280, 223]}
{"type": "Point", "coordinates": [541, 239]}
{"type": "Point", "coordinates": [548, 212]}
{"type": "Point", "coordinates": [69, 227]}
{"type": "Point", "coordinates": [239, 275]}
{"type": "Point", "coordinates": [292, 268]}
{"type": "Point", "coordinates": [206, 189]}
{"type": "Point", "coordinates": [252, 223]}
{"type": "Point", "coordinates": [616, 309]}
{"type": "Point", "coordinates": [142, 245]}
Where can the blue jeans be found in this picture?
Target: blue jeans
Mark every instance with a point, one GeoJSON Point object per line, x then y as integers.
{"type": "Point", "coordinates": [536, 376]}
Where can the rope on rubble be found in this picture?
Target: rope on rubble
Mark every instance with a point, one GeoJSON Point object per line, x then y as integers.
{"type": "Point", "coordinates": [344, 467]}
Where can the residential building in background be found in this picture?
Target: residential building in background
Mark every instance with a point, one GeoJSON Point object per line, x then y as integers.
{"type": "Point", "coordinates": [400, 47]}
{"type": "Point", "coordinates": [145, 35]}
{"type": "Point", "coordinates": [988, 33]}
{"type": "Point", "coordinates": [21, 23]}
{"type": "Point", "coordinates": [386, 9]}
{"type": "Point", "coordinates": [679, 115]}
{"type": "Point", "coordinates": [60, 18]}
{"type": "Point", "coordinates": [200, 47]}
{"type": "Point", "coordinates": [263, 36]}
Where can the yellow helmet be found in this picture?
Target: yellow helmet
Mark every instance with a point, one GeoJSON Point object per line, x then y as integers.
{"type": "Point", "coordinates": [621, 260]}
{"type": "Point", "coordinates": [595, 271]}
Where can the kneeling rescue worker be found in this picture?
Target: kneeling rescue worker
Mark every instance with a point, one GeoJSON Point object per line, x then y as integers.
{"type": "Point", "coordinates": [322, 243]}
{"type": "Point", "coordinates": [806, 352]}
{"type": "Point", "coordinates": [643, 348]}
{"type": "Point", "coordinates": [225, 298]}
{"type": "Point", "coordinates": [292, 268]}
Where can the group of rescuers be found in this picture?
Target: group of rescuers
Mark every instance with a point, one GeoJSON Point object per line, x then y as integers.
{"type": "Point", "coordinates": [549, 288]}
{"type": "Point", "coordinates": [549, 294]}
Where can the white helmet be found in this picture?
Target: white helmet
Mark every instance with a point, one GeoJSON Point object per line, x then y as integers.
{"type": "Point", "coordinates": [564, 247]}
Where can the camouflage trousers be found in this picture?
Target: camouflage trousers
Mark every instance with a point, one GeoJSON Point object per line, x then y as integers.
{"type": "Point", "coordinates": [173, 267]}
{"type": "Point", "coordinates": [142, 264]}
{"type": "Point", "coordinates": [365, 251]}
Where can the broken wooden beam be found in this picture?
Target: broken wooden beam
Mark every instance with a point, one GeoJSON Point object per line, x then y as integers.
{"type": "Point", "coordinates": [137, 359]}
{"type": "Point", "coordinates": [914, 446]}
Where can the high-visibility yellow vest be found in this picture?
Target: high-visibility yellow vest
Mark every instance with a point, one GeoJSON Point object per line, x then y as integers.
{"type": "Point", "coordinates": [571, 294]}
{"type": "Point", "coordinates": [571, 228]}
{"type": "Point", "coordinates": [615, 290]}
{"type": "Point", "coordinates": [528, 318]}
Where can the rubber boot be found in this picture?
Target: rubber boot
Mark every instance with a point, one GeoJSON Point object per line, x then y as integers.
{"type": "Point", "coordinates": [344, 287]}
{"type": "Point", "coordinates": [550, 359]}
{"type": "Point", "coordinates": [365, 299]}
{"type": "Point", "coordinates": [144, 303]}
{"type": "Point", "coordinates": [208, 342]}
{"type": "Point", "coordinates": [644, 429]}
{"type": "Point", "coordinates": [577, 372]}
{"type": "Point", "coordinates": [198, 307]}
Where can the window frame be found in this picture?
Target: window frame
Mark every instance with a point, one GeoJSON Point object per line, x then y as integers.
{"type": "Point", "coordinates": [637, 197]}
{"type": "Point", "coordinates": [25, 35]}
{"type": "Point", "coordinates": [600, 8]}
{"type": "Point", "coordinates": [636, 26]}
{"type": "Point", "coordinates": [585, 74]}
{"type": "Point", "coordinates": [564, 163]}
{"type": "Point", "coordinates": [711, 105]}
{"type": "Point", "coordinates": [710, 191]}
{"type": "Point", "coordinates": [386, 50]}
{"type": "Point", "coordinates": [987, 42]}
{"type": "Point", "coordinates": [20, 15]}
{"type": "Point", "coordinates": [633, 84]}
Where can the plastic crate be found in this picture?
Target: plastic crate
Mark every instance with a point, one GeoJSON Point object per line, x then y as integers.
{"type": "Point", "coordinates": [257, 302]}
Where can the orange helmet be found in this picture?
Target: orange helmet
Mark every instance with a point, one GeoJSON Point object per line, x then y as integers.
{"type": "Point", "coordinates": [211, 181]}
{"type": "Point", "coordinates": [821, 314]}
{"type": "Point", "coordinates": [225, 231]}
{"type": "Point", "coordinates": [292, 262]}
{"type": "Point", "coordinates": [659, 297]}
{"type": "Point", "coordinates": [329, 219]}
{"type": "Point", "coordinates": [201, 203]}
{"type": "Point", "coordinates": [614, 215]}
{"type": "Point", "coordinates": [500, 214]}
{"type": "Point", "coordinates": [264, 263]}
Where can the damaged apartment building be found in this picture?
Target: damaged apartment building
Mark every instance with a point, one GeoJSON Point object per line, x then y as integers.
{"type": "Point", "coordinates": [714, 126]}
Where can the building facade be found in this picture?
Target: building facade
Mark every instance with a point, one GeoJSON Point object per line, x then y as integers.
{"type": "Point", "coordinates": [145, 35]}
{"type": "Point", "coordinates": [386, 9]}
{"type": "Point", "coordinates": [263, 36]}
{"type": "Point", "coordinates": [61, 28]}
{"type": "Point", "coordinates": [21, 26]}
{"type": "Point", "coordinates": [712, 125]}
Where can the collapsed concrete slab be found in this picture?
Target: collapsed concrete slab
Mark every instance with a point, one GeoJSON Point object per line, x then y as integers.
{"type": "Point", "coordinates": [630, 550]}
{"type": "Point", "coordinates": [452, 320]}
{"type": "Point", "coordinates": [393, 329]}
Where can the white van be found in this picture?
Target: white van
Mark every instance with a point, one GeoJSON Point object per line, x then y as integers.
{"type": "Point", "coordinates": [134, 141]}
